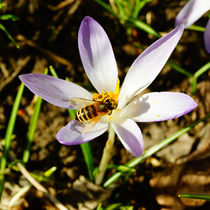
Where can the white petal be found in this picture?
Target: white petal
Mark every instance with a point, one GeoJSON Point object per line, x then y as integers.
{"type": "Point", "coordinates": [55, 91]}
{"type": "Point", "coordinates": [192, 11]}
{"type": "Point", "coordinates": [97, 55]}
{"type": "Point", "coordinates": [159, 106]}
{"type": "Point", "coordinates": [130, 135]}
{"type": "Point", "coordinates": [148, 65]}
{"type": "Point", "coordinates": [72, 133]}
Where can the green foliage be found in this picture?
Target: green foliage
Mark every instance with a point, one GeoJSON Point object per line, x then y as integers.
{"type": "Point", "coordinates": [115, 206]}
{"type": "Point", "coordinates": [197, 74]}
{"type": "Point", "coordinates": [86, 147]}
{"type": "Point", "coordinates": [192, 77]}
{"type": "Point", "coordinates": [195, 196]}
{"type": "Point", "coordinates": [196, 28]}
{"type": "Point", "coordinates": [153, 150]}
{"type": "Point", "coordinates": [8, 35]}
{"type": "Point", "coordinates": [9, 17]}
{"type": "Point", "coordinates": [9, 134]}
{"type": "Point", "coordinates": [6, 17]}
{"type": "Point", "coordinates": [127, 11]}
{"type": "Point", "coordinates": [32, 128]}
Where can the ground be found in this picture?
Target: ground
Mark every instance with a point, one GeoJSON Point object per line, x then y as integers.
{"type": "Point", "coordinates": [47, 35]}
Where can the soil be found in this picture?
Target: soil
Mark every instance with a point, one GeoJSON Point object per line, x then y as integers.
{"type": "Point", "coordinates": [47, 35]}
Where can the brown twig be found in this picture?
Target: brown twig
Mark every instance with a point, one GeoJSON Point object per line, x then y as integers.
{"type": "Point", "coordinates": [60, 5]}
{"type": "Point", "coordinates": [39, 187]}
{"type": "Point", "coordinates": [22, 64]}
{"type": "Point", "coordinates": [51, 55]}
{"type": "Point", "coordinates": [70, 12]}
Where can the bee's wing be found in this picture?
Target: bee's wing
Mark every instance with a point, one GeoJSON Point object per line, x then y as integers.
{"type": "Point", "coordinates": [78, 103]}
{"type": "Point", "coordinates": [90, 123]}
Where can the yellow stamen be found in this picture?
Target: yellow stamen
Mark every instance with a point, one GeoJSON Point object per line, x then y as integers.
{"type": "Point", "coordinates": [117, 89]}
{"type": "Point", "coordinates": [111, 95]}
{"type": "Point", "coordinates": [95, 96]}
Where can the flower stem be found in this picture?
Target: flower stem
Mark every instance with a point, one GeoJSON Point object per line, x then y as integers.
{"type": "Point", "coordinates": [107, 154]}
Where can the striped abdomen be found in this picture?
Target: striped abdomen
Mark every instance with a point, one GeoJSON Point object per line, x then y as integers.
{"type": "Point", "coordinates": [90, 112]}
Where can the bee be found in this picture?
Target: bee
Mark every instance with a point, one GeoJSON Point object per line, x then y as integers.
{"type": "Point", "coordinates": [93, 110]}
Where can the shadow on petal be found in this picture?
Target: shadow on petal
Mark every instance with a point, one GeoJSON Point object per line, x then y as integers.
{"type": "Point", "coordinates": [136, 107]}
{"type": "Point", "coordinates": [130, 135]}
{"type": "Point", "coordinates": [73, 133]}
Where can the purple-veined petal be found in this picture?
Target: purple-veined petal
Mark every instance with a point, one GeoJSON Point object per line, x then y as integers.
{"type": "Point", "coordinates": [159, 106]}
{"type": "Point", "coordinates": [148, 65]}
{"type": "Point", "coordinates": [191, 12]}
{"type": "Point", "coordinates": [72, 133]}
{"type": "Point", "coordinates": [97, 55]}
{"type": "Point", "coordinates": [55, 91]}
{"type": "Point", "coordinates": [207, 37]}
{"type": "Point", "coordinates": [130, 135]}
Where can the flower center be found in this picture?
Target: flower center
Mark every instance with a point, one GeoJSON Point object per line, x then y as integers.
{"type": "Point", "coordinates": [109, 99]}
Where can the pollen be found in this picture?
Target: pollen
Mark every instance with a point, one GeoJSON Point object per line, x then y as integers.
{"type": "Point", "coordinates": [108, 95]}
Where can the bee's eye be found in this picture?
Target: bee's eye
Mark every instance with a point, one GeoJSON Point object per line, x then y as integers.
{"type": "Point", "coordinates": [109, 105]}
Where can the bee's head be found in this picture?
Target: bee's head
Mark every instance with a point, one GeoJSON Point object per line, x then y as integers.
{"type": "Point", "coordinates": [110, 104]}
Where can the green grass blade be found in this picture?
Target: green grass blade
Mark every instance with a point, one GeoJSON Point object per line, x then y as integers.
{"type": "Point", "coordinates": [53, 72]}
{"type": "Point", "coordinates": [50, 171]}
{"type": "Point", "coordinates": [153, 150]}
{"type": "Point", "coordinates": [9, 17]}
{"type": "Point", "coordinates": [139, 6]}
{"type": "Point", "coordinates": [107, 7]}
{"type": "Point", "coordinates": [114, 206]}
{"type": "Point", "coordinates": [195, 196]}
{"type": "Point", "coordinates": [197, 74]}
{"type": "Point", "coordinates": [72, 113]}
{"type": "Point", "coordinates": [85, 147]}
{"type": "Point", "coordinates": [137, 23]}
{"type": "Point", "coordinates": [179, 69]}
{"type": "Point", "coordinates": [8, 35]}
{"type": "Point", "coordinates": [170, 63]}
{"type": "Point", "coordinates": [86, 151]}
{"type": "Point", "coordinates": [143, 26]}
{"type": "Point", "coordinates": [121, 10]}
{"type": "Point", "coordinates": [194, 86]}
{"type": "Point", "coordinates": [121, 168]}
{"type": "Point", "coordinates": [88, 157]}
{"type": "Point", "coordinates": [8, 137]}
{"type": "Point", "coordinates": [202, 70]}
{"type": "Point", "coordinates": [1, 5]}
{"type": "Point", "coordinates": [99, 207]}
{"type": "Point", "coordinates": [32, 129]}
{"type": "Point", "coordinates": [196, 28]}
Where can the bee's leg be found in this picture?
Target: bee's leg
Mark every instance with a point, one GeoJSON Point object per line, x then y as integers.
{"type": "Point", "coordinates": [89, 124]}
{"type": "Point", "coordinates": [95, 96]}
{"type": "Point", "coordinates": [110, 112]}
{"type": "Point", "coordinates": [98, 97]}
{"type": "Point", "coordinates": [96, 119]}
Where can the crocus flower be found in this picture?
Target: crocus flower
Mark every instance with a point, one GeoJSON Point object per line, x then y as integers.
{"type": "Point", "coordinates": [100, 66]}
{"type": "Point", "coordinates": [190, 13]}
